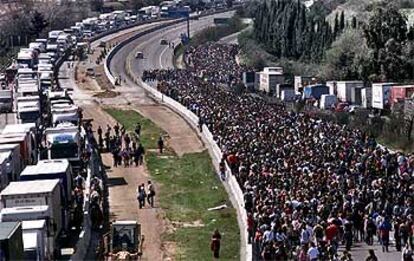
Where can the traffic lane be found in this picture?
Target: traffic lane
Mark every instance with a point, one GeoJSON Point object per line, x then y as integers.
{"type": "Point", "coordinates": [137, 28]}
{"type": "Point", "coordinates": [159, 56]}
{"type": "Point", "coordinates": [118, 60]}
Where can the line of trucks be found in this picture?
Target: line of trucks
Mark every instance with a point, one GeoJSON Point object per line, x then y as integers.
{"type": "Point", "coordinates": [41, 151]}
{"type": "Point", "coordinates": [337, 95]}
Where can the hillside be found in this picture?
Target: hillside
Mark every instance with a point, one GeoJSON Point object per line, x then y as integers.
{"type": "Point", "coordinates": [361, 9]}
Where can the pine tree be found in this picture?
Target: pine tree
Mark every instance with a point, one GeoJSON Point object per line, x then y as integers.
{"type": "Point", "coordinates": [342, 22]}
{"type": "Point", "coordinates": [354, 22]}
{"type": "Point", "coordinates": [336, 26]}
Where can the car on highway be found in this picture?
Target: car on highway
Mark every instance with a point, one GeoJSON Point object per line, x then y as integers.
{"type": "Point", "coordinates": [139, 55]}
{"type": "Point", "coordinates": [164, 42]}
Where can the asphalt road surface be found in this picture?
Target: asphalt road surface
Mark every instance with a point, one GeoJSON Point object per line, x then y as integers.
{"type": "Point", "coordinates": [155, 54]}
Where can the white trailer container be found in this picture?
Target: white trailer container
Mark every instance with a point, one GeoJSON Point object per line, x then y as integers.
{"type": "Point", "coordinates": [344, 89]}
{"type": "Point", "coordinates": [381, 93]}
{"type": "Point", "coordinates": [4, 163]}
{"type": "Point", "coordinates": [16, 165]}
{"type": "Point", "coordinates": [51, 169]}
{"type": "Point", "coordinates": [327, 100]}
{"type": "Point", "coordinates": [25, 194]}
{"type": "Point", "coordinates": [26, 140]}
{"type": "Point", "coordinates": [35, 240]}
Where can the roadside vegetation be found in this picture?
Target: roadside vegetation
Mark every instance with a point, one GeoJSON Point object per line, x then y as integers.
{"type": "Point", "coordinates": [215, 33]}
{"type": "Point", "coordinates": [307, 43]}
{"type": "Point", "coordinates": [189, 187]}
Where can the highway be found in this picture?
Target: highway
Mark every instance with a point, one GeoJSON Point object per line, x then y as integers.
{"type": "Point", "coordinates": [156, 55]}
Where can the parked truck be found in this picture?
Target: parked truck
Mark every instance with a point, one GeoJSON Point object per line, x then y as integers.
{"type": "Point", "coordinates": [124, 241]}
{"type": "Point", "coordinates": [16, 165]}
{"type": "Point", "coordinates": [315, 91]}
{"type": "Point", "coordinates": [381, 93]}
{"type": "Point", "coordinates": [51, 169]}
{"type": "Point", "coordinates": [328, 101]}
{"type": "Point", "coordinates": [6, 100]}
{"type": "Point", "coordinates": [26, 194]}
{"type": "Point", "coordinates": [35, 240]}
{"type": "Point", "coordinates": [34, 218]}
{"type": "Point", "coordinates": [64, 142]}
{"type": "Point", "coordinates": [11, 241]}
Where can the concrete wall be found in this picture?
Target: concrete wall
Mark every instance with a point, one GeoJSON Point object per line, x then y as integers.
{"type": "Point", "coordinates": [230, 184]}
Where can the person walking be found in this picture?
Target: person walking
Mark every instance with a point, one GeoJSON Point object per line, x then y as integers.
{"type": "Point", "coordinates": [407, 253]}
{"type": "Point", "coordinates": [160, 144]}
{"type": "Point", "coordinates": [371, 256]}
{"type": "Point", "coordinates": [215, 244]}
{"type": "Point", "coordinates": [138, 129]}
{"type": "Point", "coordinates": [141, 195]}
{"type": "Point", "coordinates": [384, 231]}
{"type": "Point", "coordinates": [151, 193]}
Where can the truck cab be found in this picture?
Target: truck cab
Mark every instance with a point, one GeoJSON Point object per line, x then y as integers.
{"type": "Point", "coordinates": [64, 142]}
{"type": "Point", "coordinates": [125, 239]}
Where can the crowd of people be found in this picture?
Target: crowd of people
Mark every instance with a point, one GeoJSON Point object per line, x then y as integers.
{"type": "Point", "coordinates": [309, 185]}
{"type": "Point", "coordinates": [126, 149]}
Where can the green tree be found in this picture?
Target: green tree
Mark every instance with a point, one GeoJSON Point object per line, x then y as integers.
{"type": "Point", "coordinates": [38, 23]}
{"type": "Point", "coordinates": [386, 34]}
{"type": "Point", "coordinates": [345, 60]}
{"type": "Point", "coordinates": [342, 21]}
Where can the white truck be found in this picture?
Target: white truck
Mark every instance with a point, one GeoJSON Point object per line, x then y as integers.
{"type": "Point", "coordinates": [31, 132]}
{"type": "Point", "coordinates": [327, 101]}
{"type": "Point", "coordinates": [28, 109]}
{"type": "Point", "coordinates": [62, 113]}
{"type": "Point", "coordinates": [34, 219]}
{"type": "Point", "coordinates": [24, 195]}
{"type": "Point", "coordinates": [16, 165]}
{"type": "Point", "coordinates": [64, 142]}
{"type": "Point", "coordinates": [35, 240]}
{"type": "Point", "coordinates": [27, 58]}
{"type": "Point", "coordinates": [4, 166]}
{"type": "Point", "coordinates": [344, 89]}
{"type": "Point", "coordinates": [52, 43]}
{"type": "Point", "coordinates": [6, 100]}
{"type": "Point", "coordinates": [51, 169]}
{"type": "Point", "coordinates": [381, 93]}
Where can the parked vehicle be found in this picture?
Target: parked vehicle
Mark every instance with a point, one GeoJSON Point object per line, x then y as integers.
{"type": "Point", "coordinates": [6, 100]}
{"type": "Point", "coordinates": [51, 169]}
{"type": "Point", "coordinates": [315, 91]}
{"type": "Point", "coordinates": [36, 193]}
{"type": "Point", "coordinates": [381, 93]}
{"type": "Point", "coordinates": [328, 101]}
{"type": "Point", "coordinates": [35, 240]}
{"type": "Point", "coordinates": [16, 163]}
{"type": "Point", "coordinates": [11, 240]}
{"type": "Point", "coordinates": [63, 142]}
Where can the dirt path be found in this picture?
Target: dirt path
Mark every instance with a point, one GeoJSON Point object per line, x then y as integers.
{"type": "Point", "coordinates": [122, 184]}
{"type": "Point", "coordinates": [182, 138]}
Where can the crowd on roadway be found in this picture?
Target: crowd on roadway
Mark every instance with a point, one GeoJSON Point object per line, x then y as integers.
{"type": "Point", "coordinates": [309, 185]}
{"type": "Point", "coordinates": [125, 148]}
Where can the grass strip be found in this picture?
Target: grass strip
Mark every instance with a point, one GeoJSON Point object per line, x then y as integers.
{"type": "Point", "coordinates": [189, 187]}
